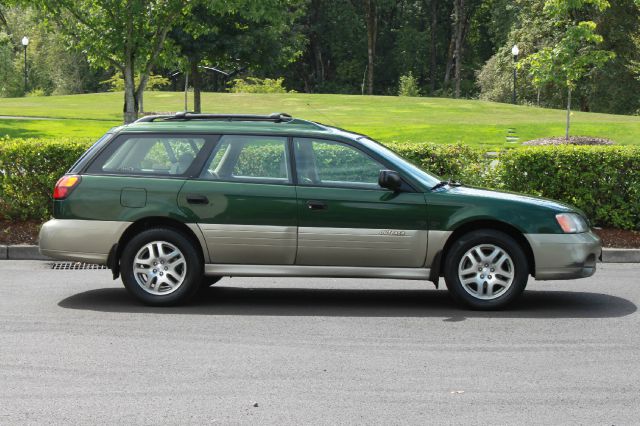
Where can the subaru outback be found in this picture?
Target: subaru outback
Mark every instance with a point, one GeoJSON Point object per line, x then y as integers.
{"type": "Point", "coordinates": [176, 202]}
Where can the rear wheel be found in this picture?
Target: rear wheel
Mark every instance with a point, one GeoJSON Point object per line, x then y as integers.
{"type": "Point", "coordinates": [486, 269]}
{"type": "Point", "coordinates": [161, 267]}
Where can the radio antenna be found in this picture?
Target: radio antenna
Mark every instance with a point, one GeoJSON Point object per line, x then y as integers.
{"type": "Point", "coordinates": [322, 114]}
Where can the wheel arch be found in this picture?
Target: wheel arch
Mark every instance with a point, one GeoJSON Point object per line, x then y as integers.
{"type": "Point", "coordinates": [113, 261]}
{"type": "Point", "coordinates": [512, 231]}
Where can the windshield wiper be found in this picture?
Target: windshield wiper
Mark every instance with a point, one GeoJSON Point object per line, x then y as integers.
{"type": "Point", "coordinates": [442, 183]}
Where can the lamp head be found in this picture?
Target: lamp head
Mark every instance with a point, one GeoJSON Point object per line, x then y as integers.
{"type": "Point", "coordinates": [25, 41]}
{"type": "Point", "coordinates": [515, 50]}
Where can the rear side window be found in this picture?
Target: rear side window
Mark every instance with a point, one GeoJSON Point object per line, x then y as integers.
{"type": "Point", "coordinates": [80, 162]}
{"type": "Point", "coordinates": [259, 159]}
{"type": "Point", "coordinates": [149, 155]}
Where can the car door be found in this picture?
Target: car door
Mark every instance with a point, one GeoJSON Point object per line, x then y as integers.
{"type": "Point", "coordinates": [245, 201]}
{"type": "Point", "coordinates": [346, 218]}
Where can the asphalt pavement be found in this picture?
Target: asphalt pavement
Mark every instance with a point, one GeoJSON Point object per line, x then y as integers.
{"type": "Point", "coordinates": [76, 348]}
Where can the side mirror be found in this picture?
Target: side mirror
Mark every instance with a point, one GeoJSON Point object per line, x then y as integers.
{"type": "Point", "coordinates": [389, 179]}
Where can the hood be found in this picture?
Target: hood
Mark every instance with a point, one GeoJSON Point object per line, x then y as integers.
{"type": "Point", "coordinates": [512, 197]}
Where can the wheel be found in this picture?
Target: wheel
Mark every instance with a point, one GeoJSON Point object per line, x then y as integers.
{"type": "Point", "coordinates": [208, 280]}
{"type": "Point", "coordinates": [161, 267]}
{"type": "Point", "coordinates": [486, 269]}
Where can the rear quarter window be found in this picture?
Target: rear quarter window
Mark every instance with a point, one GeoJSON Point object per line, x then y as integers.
{"type": "Point", "coordinates": [149, 155]}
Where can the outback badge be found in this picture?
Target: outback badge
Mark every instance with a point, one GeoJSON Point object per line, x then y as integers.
{"type": "Point", "coordinates": [392, 232]}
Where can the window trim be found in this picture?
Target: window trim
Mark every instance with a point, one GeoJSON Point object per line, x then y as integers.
{"type": "Point", "coordinates": [248, 179]}
{"type": "Point", "coordinates": [210, 141]}
{"type": "Point", "coordinates": [352, 144]}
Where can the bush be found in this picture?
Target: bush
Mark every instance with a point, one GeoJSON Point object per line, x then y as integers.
{"type": "Point", "coordinates": [154, 83]}
{"type": "Point", "coordinates": [603, 181]}
{"type": "Point", "coordinates": [408, 86]}
{"type": "Point", "coordinates": [36, 93]}
{"type": "Point", "coordinates": [257, 85]}
{"type": "Point", "coordinates": [458, 162]}
{"type": "Point", "coordinates": [29, 169]}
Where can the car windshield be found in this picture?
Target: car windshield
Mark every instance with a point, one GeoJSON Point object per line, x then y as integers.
{"type": "Point", "coordinates": [428, 179]}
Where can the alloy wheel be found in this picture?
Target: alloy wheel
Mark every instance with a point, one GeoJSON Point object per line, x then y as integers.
{"type": "Point", "coordinates": [159, 268]}
{"type": "Point", "coordinates": [486, 271]}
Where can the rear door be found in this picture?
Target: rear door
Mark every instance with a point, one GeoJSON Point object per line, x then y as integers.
{"type": "Point", "coordinates": [345, 218]}
{"type": "Point", "coordinates": [244, 201]}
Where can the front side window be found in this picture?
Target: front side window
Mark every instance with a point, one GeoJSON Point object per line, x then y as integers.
{"type": "Point", "coordinates": [334, 164]}
{"type": "Point", "coordinates": [150, 154]}
{"type": "Point", "coordinates": [260, 159]}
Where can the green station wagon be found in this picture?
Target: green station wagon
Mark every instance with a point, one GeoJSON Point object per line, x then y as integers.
{"type": "Point", "coordinates": [174, 203]}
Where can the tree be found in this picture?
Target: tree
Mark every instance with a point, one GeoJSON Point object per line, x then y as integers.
{"type": "Point", "coordinates": [433, 44]}
{"type": "Point", "coordinates": [254, 35]}
{"type": "Point", "coordinates": [371, 20]}
{"type": "Point", "coordinates": [127, 35]}
{"type": "Point", "coordinates": [461, 20]}
{"type": "Point", "coordinates": [370, 9]}
{"type": "Point", "coordinates": [574, 54]}
{"type": "Point", "coordinates": [459, 14]}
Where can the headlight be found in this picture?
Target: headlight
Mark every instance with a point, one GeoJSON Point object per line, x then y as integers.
{"type": "Point", "coordinates": [572, 223]}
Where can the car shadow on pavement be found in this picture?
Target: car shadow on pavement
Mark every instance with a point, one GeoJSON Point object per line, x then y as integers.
{"type": "Point", "coordinates": [357, 303]}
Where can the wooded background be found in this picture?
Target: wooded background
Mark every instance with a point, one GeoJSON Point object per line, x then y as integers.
{"type": "Point", "coordinates": [453, 48]}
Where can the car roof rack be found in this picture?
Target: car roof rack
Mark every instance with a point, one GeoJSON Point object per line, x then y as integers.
{"type": "Point", "coordinates": [276, 117]}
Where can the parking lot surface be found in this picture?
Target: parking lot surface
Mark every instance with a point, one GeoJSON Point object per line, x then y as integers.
{"type": "Point", "coordinates": [76, 348]}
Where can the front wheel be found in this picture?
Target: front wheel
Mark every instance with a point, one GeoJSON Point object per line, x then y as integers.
{"type": "Point", "coordinates": [161, 267]}
{"type": "Point", "coordinates": [486, 269]}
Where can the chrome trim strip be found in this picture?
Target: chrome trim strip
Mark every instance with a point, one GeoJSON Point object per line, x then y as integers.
{"type": "Point", "coordinates": [397, 248]}
{"type": "Point", "coordinates": [315, 271]}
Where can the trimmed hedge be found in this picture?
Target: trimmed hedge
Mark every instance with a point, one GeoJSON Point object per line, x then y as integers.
{"type": "Point", "coordinates": [459, 162]}
{"type": "Point", "coordinates": [604, 181]}
{"type": "Point", "coordinates": [29, 169]}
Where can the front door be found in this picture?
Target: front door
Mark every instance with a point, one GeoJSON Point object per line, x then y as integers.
{"type": "Point", "coordinates": [245, 202]}
{"type": "Point", "coordinates": [346, 218]}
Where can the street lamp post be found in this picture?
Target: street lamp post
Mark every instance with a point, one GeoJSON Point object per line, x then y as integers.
{"type": "Point", "coordinates": [25, 43]}
{"type": "Point", "coordinates": [514, 52]}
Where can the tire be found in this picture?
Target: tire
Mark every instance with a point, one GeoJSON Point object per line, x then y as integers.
{"type": "Point", "coordinates": [486, 270]}
{"type": "Point", "coordinates": [208, 280]}
{"type": "Point", "coordinates": [173, 279]}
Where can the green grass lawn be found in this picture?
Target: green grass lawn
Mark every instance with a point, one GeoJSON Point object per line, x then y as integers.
{"type": "Point", "coordinates": [53, 128]}
{"type": "Point", "coordinates": [385, 118]}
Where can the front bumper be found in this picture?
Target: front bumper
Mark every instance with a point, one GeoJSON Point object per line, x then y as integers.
{"type": "Point", "coordinates": [565, 256]}
{"type": "Point", "coordinates": [80, 240]}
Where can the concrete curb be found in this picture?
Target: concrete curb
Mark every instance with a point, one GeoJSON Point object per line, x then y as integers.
{"type": "Point", "coordinates": [614, 255]}
{"type": "Point", "coordinates": [27, 252]}
{"type": "Point", "coordinates": [21, 252]}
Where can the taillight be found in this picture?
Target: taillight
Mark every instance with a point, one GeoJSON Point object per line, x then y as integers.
{"type": "Point", "coordinates": [64, 186]}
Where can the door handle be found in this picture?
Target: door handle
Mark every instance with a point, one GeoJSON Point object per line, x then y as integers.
{"type": "Point", "coordinates": [317, 205]}
{"type": "Point", "coordinates": [197, 199]}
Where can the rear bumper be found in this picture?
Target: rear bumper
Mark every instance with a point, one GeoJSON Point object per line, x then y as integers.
{"type": "Point", "coordinates": [565, 256]}
{"type": "Point", "coordinates": [80, 240]}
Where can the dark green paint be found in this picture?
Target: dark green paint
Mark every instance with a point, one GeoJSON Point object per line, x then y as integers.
{"type": "Point", "coordinates": [133, 197]}
{"type": "Point", "coordinates": [121, 198]}
{"type": "Point", "coordinates": [98, 198]}
{"type": "Point", "coordinates": [241, 203]}
{"type": "Point", "coordinates": [450, 208]}
{"type": "Point", "coordinates": [359, 208]}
